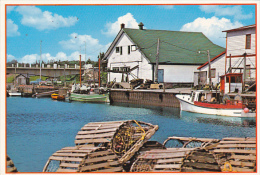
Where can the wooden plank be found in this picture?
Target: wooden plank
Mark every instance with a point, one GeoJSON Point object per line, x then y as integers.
{"type": "Point", "coordinates": [92, 141]}
{"type": "Point", "coordinates": [238, 142]}
{"type": "Point", "coordinates": [237, 146]}
{"type": "Point", "coordinates": [168, 166]}
{"type": "Point", "coordinates": [99, 153]}
{"type": "Point", "coordinates": [239, 138]}
{"type": "Point", "coordinates": [152, 156]}
{"type": "Point", "coordinates": [66, 159]}
{"type": "Point", "coordinates": [196, 170]}
{"type": "Point", "coordinates": [169, 171]}
{"type": "Point", "coordinates": [113, 169]}
{"type": "Point", "coordinates": [242, 157]}
{"type": "Point", "coordinates": [202, 159]}
{"type": "Point", "coordinates": [193, 138]}
{"type": "Point", "coordinates": [201, 165]}
{"type": "Point", "coordinates": [11, 169]}
{"type": "Point", "coordinates": [70, 154]}
{"type": "Point", "coordinates": [101, 165]}
{"type": "Point", "coordinates": [69, 165]}
{"type": "Point", "coordinates": [235, 169]}
{"type": "Point", "coordinates": [75, 151]}
{"type": "Point", "coordinates": [10, 163]}
{"type": "Point", "coordinates": [93, 136]}
{"type": "Point", "coordinates": [234, 151]}
{"type": "Point", "coordinates": [169, 160]}
{"type": "Point", "coordinates": [99, 128]}
{"type": "Point", "coordinates": [98, 159]}
{"type": "Point", "coordinates": [170, 150]}
{"type": "Point", "coordinates": [97, 131]}
{"type": "Point", "coordinates": [242, 164]}
{"type": "Point", "coordinates": [108, 122]}
{"type": "Point", "coordinates": [63, 170]}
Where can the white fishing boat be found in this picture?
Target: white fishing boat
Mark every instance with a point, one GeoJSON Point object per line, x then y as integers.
{"type": "Point", "coordinates": [14, 92]}
{"type": "Point", "coordinates": [206, 102]}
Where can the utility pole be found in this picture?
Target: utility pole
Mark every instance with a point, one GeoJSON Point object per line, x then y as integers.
{"type": "Point", "coordinates": [157, 62]}
{"type": "Point", "coordinates": [209, 68]}
{"type": "Point", "coordinates": [41, 60]}
{"type": "Point", "coordinates": [244, 74]}
{"type": "Point", "coordinates": [80, 70]}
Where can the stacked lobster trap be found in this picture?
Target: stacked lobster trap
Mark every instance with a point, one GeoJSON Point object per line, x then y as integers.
{"type": "Point", "coordinates": [123, 146]}
{"type": "Point", "coordinates": [102, 147]}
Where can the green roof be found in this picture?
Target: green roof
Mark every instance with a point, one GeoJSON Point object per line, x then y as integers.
{"type": "Point", "coordinates": [176, 47]}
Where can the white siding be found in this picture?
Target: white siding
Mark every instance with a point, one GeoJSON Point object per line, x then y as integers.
{"type": "Point", "coordinates": [178, 73]}
{"type": "Point", "coordinates": [236, 45]}
{"type": "Point", "coordinates": [128, 60]}
{"type": "Point", "coordinates": [236, 42]}
{"type": "Point", "coordinates": [219, 65]}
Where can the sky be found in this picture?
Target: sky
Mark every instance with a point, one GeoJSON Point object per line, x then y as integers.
{"type": "Point", "coordinates": [63, 32]}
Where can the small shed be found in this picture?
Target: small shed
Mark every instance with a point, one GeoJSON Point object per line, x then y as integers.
{"type": "Point", "coordinates": [231, 82]}
{"type": "Point", "coordinates": [21, 80]}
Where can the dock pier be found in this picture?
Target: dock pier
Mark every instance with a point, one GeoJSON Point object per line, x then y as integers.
{"type": "Point", "coordinates": [156, 97]}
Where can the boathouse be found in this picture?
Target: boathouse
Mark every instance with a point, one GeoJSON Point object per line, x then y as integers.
{"type": "Point", "coordinates": [135, 52]}
{"type": "Point", "coordinates": [238, 58]}
{"type": "Point", "coordinates": [21, 80]}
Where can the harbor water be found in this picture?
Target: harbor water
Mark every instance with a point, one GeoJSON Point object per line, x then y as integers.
{"type": "Point", "coordinates": [38, 127]}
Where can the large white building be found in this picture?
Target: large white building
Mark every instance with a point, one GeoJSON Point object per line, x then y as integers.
{"type": "Point", "coordinates": [133, 54]}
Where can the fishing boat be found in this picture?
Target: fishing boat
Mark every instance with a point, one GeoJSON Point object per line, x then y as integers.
{"type": "Point", "coordinates": [206, 102]}
{"type": "Point", "coordinates": [102, 98]}
{"type": "Point", "coordinates": [55, 96]}
{"type": "Point", "coordinates": [14, 92]}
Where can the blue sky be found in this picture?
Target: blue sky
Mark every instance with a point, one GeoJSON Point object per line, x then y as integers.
{"type": "Point", "coordinates": [66, 30]}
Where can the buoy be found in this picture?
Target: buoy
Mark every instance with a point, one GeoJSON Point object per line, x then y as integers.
{"type": "Point", "coordinates": [246, 110]}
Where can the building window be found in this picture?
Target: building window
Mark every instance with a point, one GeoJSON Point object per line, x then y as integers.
{"type": "Point", "coordinates": [121, 50]}
{"type": "Point", "coordinates": [133, 47]}
{"type": "Point", "coordinates": [117, 49]}
{"type": "Point", "coordinates": [248, 41]}
{"type": "Point", "coordinates": [115, 68]}
{"type": "Point", "coordinates": [213, 73]}
{"type": "Point", "coordinates": [129, 50]}
{"type": "Point", "coordinates": [247, 71]}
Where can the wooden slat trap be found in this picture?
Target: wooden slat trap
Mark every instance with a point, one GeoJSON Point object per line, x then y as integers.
{"type": "Point", "coordinates": [10, 165]}
{"type": "Point", "coordinates": [200, 160]}
{"type": "Point", "coordinates": [236, 154]}
{"type": "Point", "coordinates": [171, 157]}
{"type": "Point", "coordinates": [102, 147]}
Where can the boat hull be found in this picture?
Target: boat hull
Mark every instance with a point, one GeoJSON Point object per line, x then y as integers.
{"type": "Point", "coordinates": [15, 94]}
{"type": "Point", "coordinates": [190, 107]}
{"type": "Point", "coordinates": [102, 98]}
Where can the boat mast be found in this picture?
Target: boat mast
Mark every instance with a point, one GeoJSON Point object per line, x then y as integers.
{"type": "Point", "coordinates": [209, 68]}
{"type": "Point", "coordinates": [40, 60]}
{"type": "Point", "coordinates": [80, 70]}
{"type": "Point", "coordinates": [157, 62]}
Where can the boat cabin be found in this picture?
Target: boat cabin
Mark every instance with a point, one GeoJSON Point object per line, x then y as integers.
{"type": "Point", "coordinates": [205, 96]}
{"type": "Point", "coordinates": [231, 82]}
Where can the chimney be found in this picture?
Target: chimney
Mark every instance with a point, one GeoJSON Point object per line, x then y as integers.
{"type": "Point", "coordinates": [141, 26]}
{"type": "Point", "coordinates": [122, 25]}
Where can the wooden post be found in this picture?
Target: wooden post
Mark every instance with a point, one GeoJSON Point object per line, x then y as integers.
{"type": "Point", "coordinates": [157, 62]}
{"type": "Point", "coordinates": [244, 73]}
{"type": "Point", "coordinates": [230, 70]}
{"type": "Point", "coordinates": [80, 70]}
{"type": "Point", "coordinates": [99, 72]}
{"type": "Point", "coordinates": [209, 68]}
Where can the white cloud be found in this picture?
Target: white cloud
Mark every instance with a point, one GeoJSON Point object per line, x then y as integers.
{"type": "Point", "coordinates": [166, 7]}
{"type": "Point", "coordinates": [212, 28]}
{"type": "Point", "coordinates": [12, 28]}
{"type": "Point", "coordinates": [34, 17]}
{"type": "Point", "coordinates": [113, 28]}
{"type": "Point", "coordinates": [10, 8]}
{"type": "Point", "coordinates": [10, 57]}
{"type": "Point", "coordinates": [235, 11]}
{"type": "Point", "coordinates": [77, 42]}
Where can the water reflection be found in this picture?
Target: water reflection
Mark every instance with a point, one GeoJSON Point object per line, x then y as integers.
{"type": "Point", "coordinates": [167, 112]}
{"type": "Point", "coordinates": [218, 120]}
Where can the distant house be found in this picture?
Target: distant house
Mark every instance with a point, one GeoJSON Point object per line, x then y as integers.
{"type": "Point", "coordinates": [217, 68]}
{"type": "Point", "coordinates": [133, 54]}
{"type": "Point", "coordinates": [21, 80]}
